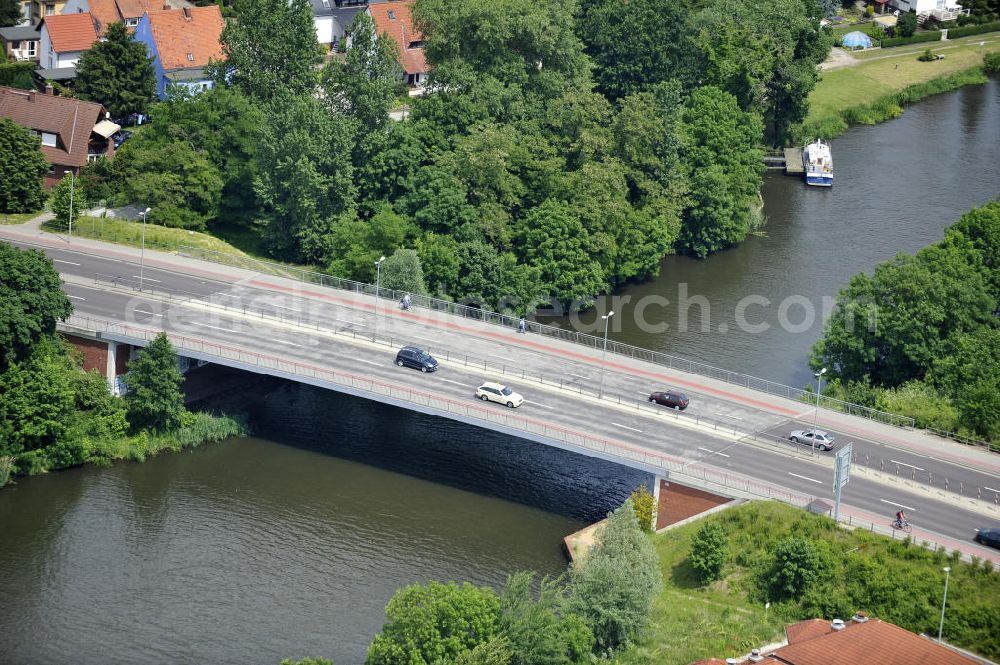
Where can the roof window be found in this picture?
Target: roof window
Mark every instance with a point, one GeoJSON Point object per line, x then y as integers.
{"type": "Point", "coordinates": [190, 57]}
{"type": "Point", "coordinates": [392, 15]}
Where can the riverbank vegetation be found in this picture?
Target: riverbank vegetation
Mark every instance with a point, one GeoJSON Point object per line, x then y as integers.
{"type": "Point", "coordinates": [877, 89]}
{"type": "Point", "coordinates": [555, 159]}
{"type": "Point", "coordinates": [920, 336]}
{"type": "Point", "coordinates": [54, 415]}
{"type": "Point", "coordinates": [806, 567]}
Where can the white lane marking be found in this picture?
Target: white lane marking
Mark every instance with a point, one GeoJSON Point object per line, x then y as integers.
{"type": "Point", "coordinates": [291, 309]}
{"type": "Point", "coordinates": [642, 393]}
{"type": "Point", "coordinates": [457, 383]}
{"type": "Point", "coordinates": [353, 323]}
{"type": "Point", "coordinates": [75, 297]}
{"type": "Point", "coordinates": [544, 406]}
{"type": "Point", "coordinates": [285, 341]}
{"type": "Point", "coordinates": [426, 339]}
{"type": "Point", "coordinates": [893, 503]}
{"type": "Point", "coordinates": [991, 489]}
{"type": "Point", "coordinates": [905, 464]}
{"type": "Point", "coordinates": [714, 452]}
{"type": "Point", "coordinates": [370, 362]}
{"type": "Point", "coordinates": [147, 279]}
{"type": "Point", "coordinates": [627, 427]}
{"type": "Point", "coordinates": [579, 376]}
{"type": "Point", "coordinates": [205, 325]}
{"type": "Point", "coordinates": [722, 415]}
{"type": "Point", "coordinates": [70, 263]}
{"type": "Point", "coordinates": [142, 311]}
{"type": "Point", "coordinates": [492, 355]}
{"type": "Point", "coordinates": [812, 480]}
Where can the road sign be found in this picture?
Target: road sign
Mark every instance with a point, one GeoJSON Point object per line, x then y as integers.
{"type": "Point", "coordinates": [843, 465]}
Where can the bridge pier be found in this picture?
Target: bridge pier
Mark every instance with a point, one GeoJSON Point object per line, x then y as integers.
{"type": "Point", "coordinates": [106, 356]}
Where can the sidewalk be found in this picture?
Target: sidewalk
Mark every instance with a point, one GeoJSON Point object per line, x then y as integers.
{"type": "Point", "coordinates": [913, 440]}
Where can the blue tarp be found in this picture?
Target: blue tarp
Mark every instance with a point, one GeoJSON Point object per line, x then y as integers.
{"type": "Point", "coordinates": [857, 38]}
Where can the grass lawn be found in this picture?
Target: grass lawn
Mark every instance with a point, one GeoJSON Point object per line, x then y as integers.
{"type": "Point", "coordinates": [885, 71]}
{"type": "Point", "coordinates": [18, 217]}
{"type": "Point", "coordinates": [125, 232]}
{"type": "Point", "coordinates": [892, 580]}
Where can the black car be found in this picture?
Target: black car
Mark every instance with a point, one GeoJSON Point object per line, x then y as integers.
{"type": "Point", "coordinates": [670, 398]}
{"type": "Point", "coordinates": [988, 537]}
{"type": "Point", "coordinates": [411, 356]}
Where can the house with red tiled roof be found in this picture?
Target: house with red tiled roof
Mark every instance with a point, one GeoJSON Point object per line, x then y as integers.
{"type": "Point", "coordinates": [182, 43]}
{"type": "Point", "coordinates": [106, 12]}
{"type": "Point", "coordinates": [64, 38]}
{"type": "Point", "coordinates": [73, 132]}
{"type": "Point", "coordinates": [859, 641]}
{"type": "Point", "coordinates": [394, 19]}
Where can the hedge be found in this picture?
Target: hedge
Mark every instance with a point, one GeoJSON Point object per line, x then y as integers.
{"type": "Point", "coordinates": [974, 29]}
{"type": "Point", "coordinates": [929, 36]}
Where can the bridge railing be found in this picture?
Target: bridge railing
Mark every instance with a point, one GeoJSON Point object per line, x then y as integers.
{"type": "Point", "coordinates": [585, 339]}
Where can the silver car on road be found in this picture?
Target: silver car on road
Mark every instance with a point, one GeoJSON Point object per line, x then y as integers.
{"type": "Point", "coordinates": [819, 438]}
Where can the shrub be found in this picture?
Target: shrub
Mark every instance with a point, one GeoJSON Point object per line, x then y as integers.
{"type": "Point", "coordinates": [870, 11]}
{"type": "Point", "coordinates": [918, 38]}
{"type": "Point", "coordinates": [991, 63]}
{"type": "Point", "coordinates": [926, 56]}
{"type": "Point", "coordinates": [907, 24]}
{"type": "Point", "coordinates": [642, 502]}
{"type": "Point", "coordinates": [708, 552]}
{"type": "Point", "coordinates": [955, 33]}
{"type": "Point", "coordinates": [796, 566]}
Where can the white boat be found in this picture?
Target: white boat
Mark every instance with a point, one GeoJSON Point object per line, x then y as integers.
{"type": "Point", "coordinates": [818, 163]}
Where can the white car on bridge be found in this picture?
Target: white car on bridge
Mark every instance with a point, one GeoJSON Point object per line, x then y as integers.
{"type": "Point", "coordinates": [497, 392]}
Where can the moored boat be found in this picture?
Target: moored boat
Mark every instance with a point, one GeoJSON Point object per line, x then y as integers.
{"type": "Point", "coordinates": [817, 161]}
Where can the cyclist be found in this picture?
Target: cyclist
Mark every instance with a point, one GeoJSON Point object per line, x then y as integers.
{"type": "Point", "coordinates": [900, 518]}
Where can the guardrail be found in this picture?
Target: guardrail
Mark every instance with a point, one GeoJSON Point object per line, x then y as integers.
{"type": "Point", "coordinates": [591, 341]}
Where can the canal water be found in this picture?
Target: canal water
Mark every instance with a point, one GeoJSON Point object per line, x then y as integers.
{"type": "Point", "coordinates": [290, 544]}
{"type": "Point", "coordinates": [898, 186]}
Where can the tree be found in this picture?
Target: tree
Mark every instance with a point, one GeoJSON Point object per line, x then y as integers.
{"type": "Point", "coordinates": [366, 83]}
{"type": "Point", "coordinates": [117, 72]}
{"type": "Point", "coordinates": [10, 13]}
{"type": "Point", "coordinates": [724, 167]}
{"type": "Point", "coordinates": [638, 48]}
{"type": "Point", "coordinates": [554, 240]}
{"type": "Point", "coordinates": [31, 301]}
{"type": "Point", "coordinates": [644, 504]}
{"type": "Point", "coordinates": [22, 167]}
{"type": "Point", "coordinates": [439, 259]}
{"type": "Point", "coordinates": [270, 50]}
{"type": "Point", "coordinates": [797, 564]}
{"type": "Point", "coordinates": [492, 652]}
{"type": "Point", "coordinates": [435, 622]}
{"type": "Point", "coordinates": [401, 271]}
{"type": "Point", "coordinates": [708, 552]}
{"type": "Point", "coordinates": [65, 201]}
{"type": "Point", "coordinates": [907, 24]}
{"type": "Point", "coordinates": [154, 396]}
{"type": "Point", "coordinates": [542, 632]}
{"type": "Point", "coordinates": [614, 586]}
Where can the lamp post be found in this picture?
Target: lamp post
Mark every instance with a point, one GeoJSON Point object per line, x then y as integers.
{"type": "Point", "coordinates": [947, 574]}
{"type": "Point", "coordinates": [378, 277]}
{"type": "Point", "coordinates": [72, 182]}
{"type": "Point", "coordinates": [604, 353]}
{"type": "Point", "coordinates": [819, 391]}
{"type": "Point", "coordinates": [142, 251]}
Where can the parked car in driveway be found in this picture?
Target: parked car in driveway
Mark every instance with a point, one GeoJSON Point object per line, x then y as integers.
{"type": "Point", "coordinates": [821, 439]}
{"type": "Point", "coordinates": [674, 400]}
{"type": "Point", "coordinates": [497, 392]}
{"type": "Point", "coordinates": [411, 356]}
{"type": "Point", "coordinates": [988, 537]}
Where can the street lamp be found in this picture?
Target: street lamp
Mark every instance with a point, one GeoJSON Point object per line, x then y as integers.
{"type": "Point", "coordinates": [72, 181]}
{"type": "Point", "coordinates": [378, 277]}
{"type": "Point", "coordinates": [947, 574]}
{"type": "Point", "coordinates": [604, 354]}
{"type": "Point", "coordinates": [142, 251]}
{"type": "Point", "coordinates": [819, 391]}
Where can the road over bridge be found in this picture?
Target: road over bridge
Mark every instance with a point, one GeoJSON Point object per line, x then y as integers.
{"type": "Point", "coordinates": [731, 436]}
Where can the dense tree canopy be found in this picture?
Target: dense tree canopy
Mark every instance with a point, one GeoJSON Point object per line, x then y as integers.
{"type": "Point", "coordinates": [22, 167]}
{"type": "Point", "coordinates": [31, 301]}
{"type": "Point", "coordinates": [154, 397]}
{"type": "Point", "coordinates": [10, 12]}
{"type": "Point", "coordinates": [117, 72]}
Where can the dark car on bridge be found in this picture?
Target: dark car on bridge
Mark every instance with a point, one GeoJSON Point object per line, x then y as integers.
{"type": "Point", "coordinates": [411, 356]}
{"type": "Point", "coordinates": [670, 398]}
{"type": "Point", "coordinates": [988, 537]}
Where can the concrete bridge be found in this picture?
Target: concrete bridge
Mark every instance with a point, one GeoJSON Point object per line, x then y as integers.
{"type": "Point", "coordinates": [733, 438]}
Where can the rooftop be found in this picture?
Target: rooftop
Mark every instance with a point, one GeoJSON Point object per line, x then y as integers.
{"type": "Point", "coordinates": [70, 32]}
{"type": "Point", "coordinates": [394, 19]}
{"type": "Point", "coordinates": [187, 38]}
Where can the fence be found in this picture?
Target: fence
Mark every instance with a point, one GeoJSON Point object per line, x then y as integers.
{"type": "Point", "coordinates": [591, 341]}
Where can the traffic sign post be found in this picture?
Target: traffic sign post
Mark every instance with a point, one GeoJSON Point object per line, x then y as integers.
{"type": "Point", "coordinates": [842, 474]}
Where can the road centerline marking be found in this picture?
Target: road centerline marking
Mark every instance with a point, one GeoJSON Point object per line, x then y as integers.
{"type": "Point", "coordinates": [905, 464]}
{"type": "Point", "coordinates": [69, 263]}
{"type": "Point", "coordinates": [544, 406]}
{"type": "Point", "coordinates": [147, 279]}
{"type": "Point", "coordinates": [285, 341]}
{"type": "Point", "coordinates": [893, 503]}
{"type": "Point", "coordinates": [812, 480]}
{"type": "Point", "coordinates": [75, 297]}
{"type": "Point", "coordinates": [713, 452]}
{"type": "Point", "coordinates": [627, 427]}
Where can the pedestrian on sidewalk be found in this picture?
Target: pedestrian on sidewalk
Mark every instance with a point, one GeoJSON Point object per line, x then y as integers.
{"type": "Point", "coordinates": [522, 326]}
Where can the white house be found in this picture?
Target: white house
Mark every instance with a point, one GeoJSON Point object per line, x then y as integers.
{"type": "Point", "coordinates": [64, 38]}
{"type": "Point", "coordinates": [333, 18]}
{"type": "Point", "coordinates": [941, 9]}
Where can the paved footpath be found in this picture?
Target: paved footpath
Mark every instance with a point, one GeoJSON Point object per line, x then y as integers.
{"type": "Point", "coordinates": [471, 333]}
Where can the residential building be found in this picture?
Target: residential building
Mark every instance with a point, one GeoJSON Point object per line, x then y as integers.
{"type": "Point", "coordinates": [64, 39]}
{"type": "Point", "coordinates": [394, 19]}
{"type": "Point", "coordinates": [859, 641]}
{"type": "Point", "coordinates": [106, 12]}
{"type": "Point", "coordinates": [182, 42]}
{"type": "Point", "coordinates": [73, 132]}
{"type": "Point", "coordinates": [21, 42]}
{"type": "Point", "coordinates": [33, 11]}
{"type": "Point", "coordinates": [333, 19]}
{"type": "Point", "coordinates": [943, 10]}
